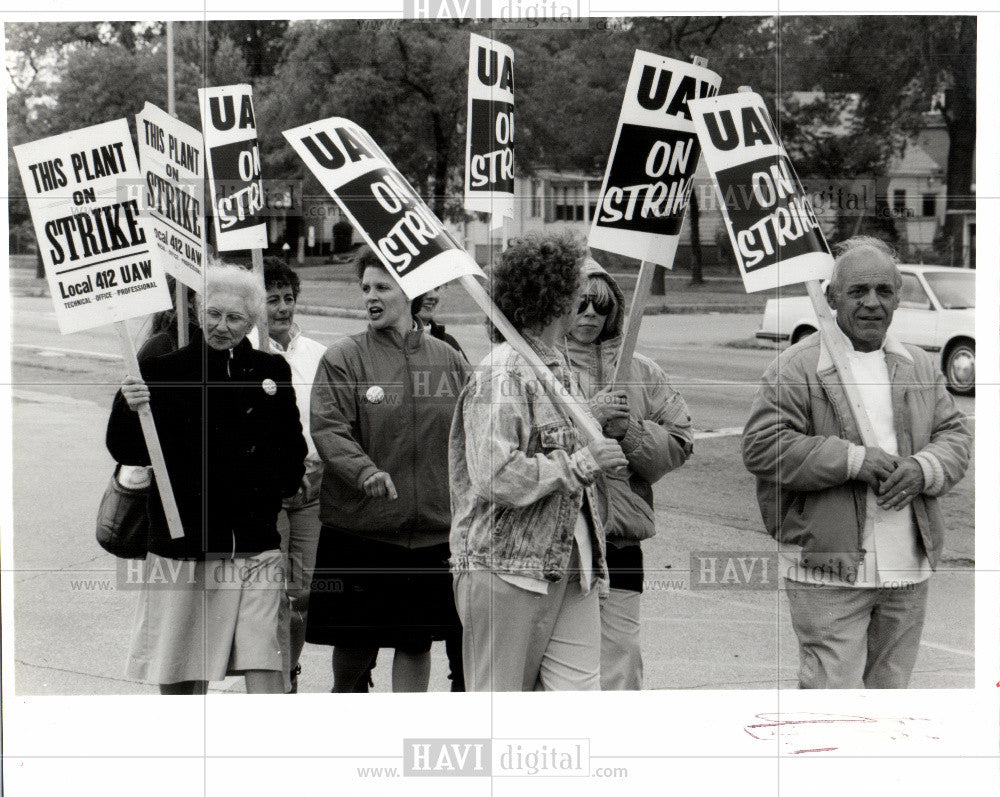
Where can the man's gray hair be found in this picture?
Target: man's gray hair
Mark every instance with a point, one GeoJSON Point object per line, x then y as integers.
{"type": "Point", "coordinates": [220, 276]}
{"type": "Point", "coordinates": [861, 246]}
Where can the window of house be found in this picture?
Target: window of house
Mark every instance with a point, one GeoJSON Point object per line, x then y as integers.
{"type": "Point", "coordinates": [569, 203]}
{"type": "Point", "coordinates": [928, 205]}
{"type": "Point", "coordinates": [899, 200]}
{"type": "Point", "coordinates": [536, 198]}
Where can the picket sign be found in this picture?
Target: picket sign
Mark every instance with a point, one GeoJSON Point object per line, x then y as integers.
{"type": "Point", "coordinates": [232, 158]}
{"type": "Point", "coordinates": [489, 137]}
{"type": "Point", "coordinates": [806, 253]}
{"type": "Point", "coordinates": [654, 154]}
{"type": "Point", "coordinates": [76, 185]}
{"type": "Point", "coordinates": [416, 249]}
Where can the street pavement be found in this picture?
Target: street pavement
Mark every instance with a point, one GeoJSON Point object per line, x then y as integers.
{"type": "Point", "coordinates": [72, 621]}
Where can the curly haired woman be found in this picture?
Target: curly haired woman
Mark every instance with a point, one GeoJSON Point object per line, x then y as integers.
{"type": "Point", "coordinates": [527, 546]}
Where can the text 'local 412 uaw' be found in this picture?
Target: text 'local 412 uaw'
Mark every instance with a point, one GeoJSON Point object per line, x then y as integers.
{"type": "Point", "coordinates": [653, 159]}
{"type": "Point", "coordinates": [171, 155]}
{"type": "Point", "coordinates": [773, 230]}
{"type": "Point", "coordinates": [392, 218]}
{"type": "Point", "coordinates": [489, 141]}
{"type": "Point", "coordinates": [81, 189]}
{"type": "Point", "coordinates": [233, 159]}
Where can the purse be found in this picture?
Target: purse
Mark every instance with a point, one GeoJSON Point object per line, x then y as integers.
{"type": "Point", "coordinates": [123, 518]}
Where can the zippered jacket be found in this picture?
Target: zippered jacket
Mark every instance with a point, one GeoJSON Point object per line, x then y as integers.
{"type": "Point", "coordinates": [658, 437]}
{"type": "Point", "coordinates": [799, 435]}
{"type": "Point", "coordinates": [381, 402]}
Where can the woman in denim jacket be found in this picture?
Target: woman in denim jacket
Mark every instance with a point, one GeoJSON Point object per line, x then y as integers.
{"type": "Point", "coordinates": [527, 545]}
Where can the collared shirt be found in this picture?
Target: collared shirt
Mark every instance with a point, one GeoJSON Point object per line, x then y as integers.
{"type": "Point", "coordinates": [303, 355]}
{"type": "Point", "coordinates": [893, 555]}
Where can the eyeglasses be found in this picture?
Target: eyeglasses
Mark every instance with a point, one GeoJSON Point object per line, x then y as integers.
{"type": "Point", "coordinates": [602, 305]}
{"type": "Point", "coordinates": [232, 319]}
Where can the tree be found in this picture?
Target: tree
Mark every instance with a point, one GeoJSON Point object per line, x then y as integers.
{"type": "Point", "coordinates": [920, 64]}
{"type": "Point", "coordinates": [406, 86]}
{"type": "Point", "coordinates": [260, 42]}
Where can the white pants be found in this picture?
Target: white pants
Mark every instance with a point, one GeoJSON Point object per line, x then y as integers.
{"type": "Point", "coordinates": [621, 650]}
{"type": "Point", "coordinates": [517, 640]}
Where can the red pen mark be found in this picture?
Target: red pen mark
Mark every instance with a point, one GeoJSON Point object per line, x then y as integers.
{"type": "Point", "coordinates": [809, 732]}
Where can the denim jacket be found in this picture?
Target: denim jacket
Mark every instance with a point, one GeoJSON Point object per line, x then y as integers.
{"type": "Point", "coordinates": [519, 472]}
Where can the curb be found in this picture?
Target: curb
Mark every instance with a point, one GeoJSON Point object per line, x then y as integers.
{"type": "Point", "coordinates": [462, 318]}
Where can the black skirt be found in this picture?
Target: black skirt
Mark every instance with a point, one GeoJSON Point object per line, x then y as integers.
{"type": "Point", "coordinates": [367, 593]}
{"type": "Point", "coordinates": [625, 567]}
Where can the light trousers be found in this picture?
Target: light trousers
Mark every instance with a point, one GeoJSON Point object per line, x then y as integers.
{"type": "Point", "coordinates": [517, 640]}
{"type": "Point", "coordinates": [856, 637]}
{"type": "Point", "coordinates": [621, 647]}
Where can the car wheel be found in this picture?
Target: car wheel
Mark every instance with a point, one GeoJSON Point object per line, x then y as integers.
{"type": "Point", "coordinates": [801, 333]}
{"type": "Point", "coordinates": [960, 367]}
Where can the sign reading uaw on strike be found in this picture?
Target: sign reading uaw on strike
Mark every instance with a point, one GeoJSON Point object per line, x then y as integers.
{"type": "Point", "coordinates": [651, 168]}
{"type": "Point", "coordinates": [233, 158]}
{"type": "Point", "coordinates": [392, 218]}
{"type": "Point", "coordinates": [775, 235]}
{"type": "Point", "coordinates": [489, 145]}
{"type": "Point", "coordinates": [93, 243]}
{"type": "Point", "coordinates": [173, 170]}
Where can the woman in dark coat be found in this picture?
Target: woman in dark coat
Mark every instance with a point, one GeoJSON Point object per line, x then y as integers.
{"type": "Point", "coordinates": [229, 427]}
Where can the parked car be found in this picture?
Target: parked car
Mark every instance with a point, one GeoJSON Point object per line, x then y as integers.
{"type": "Point", "coordinates": [936, 312]}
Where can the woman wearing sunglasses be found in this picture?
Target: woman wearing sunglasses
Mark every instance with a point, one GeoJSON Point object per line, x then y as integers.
{"type": "Point", "coordinates": [527, 545]}
{"type": "Point", "coordinates": [651, 422]}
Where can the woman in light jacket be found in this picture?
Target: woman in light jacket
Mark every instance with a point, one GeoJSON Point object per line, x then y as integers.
{"type": "Point", "coordinates": [651, 421]}
{"type": "Point", "coordinates": [527, 543]}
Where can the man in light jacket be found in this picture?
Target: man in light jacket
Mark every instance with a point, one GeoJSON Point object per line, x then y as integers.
{"type": "Point", "coordinates": [651, 421]}
{"type": "Point", "coordinates": [867, 518]}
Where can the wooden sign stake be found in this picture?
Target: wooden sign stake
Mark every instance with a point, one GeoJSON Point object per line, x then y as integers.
{"type": "Point", "coordinates": [152, 440]}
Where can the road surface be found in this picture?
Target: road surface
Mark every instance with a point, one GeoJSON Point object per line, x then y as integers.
{"type": "Point", "coordinates": [72, 621]}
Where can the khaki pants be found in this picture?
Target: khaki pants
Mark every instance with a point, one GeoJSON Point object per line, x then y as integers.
{"type": "Point", "coordinates": [517, 640]}
{"type": "Point", "coordinates": [856, 637]}
{"type": "Point", "coordinates": [621, 650]}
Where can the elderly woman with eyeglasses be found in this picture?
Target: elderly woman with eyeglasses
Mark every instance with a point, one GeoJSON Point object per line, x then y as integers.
{"type": "Point", "coordinates": [227, 420]}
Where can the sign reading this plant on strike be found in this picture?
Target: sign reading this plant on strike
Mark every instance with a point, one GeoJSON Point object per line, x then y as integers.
{"type": "Point", "coordinates": [489, 140]}
{"type": "Point", "coordinates": [92, 240]}
{"type": "Point", "coordinates": [173, 170]}
{"type": "Point", "coordinates": [775, 235]}
{"type": "Point", "coordinates": [233, 159]}
{"type": "Point", "coordinates": [392, 218]}
{"type": "Point", "coordinates": [653, 159]}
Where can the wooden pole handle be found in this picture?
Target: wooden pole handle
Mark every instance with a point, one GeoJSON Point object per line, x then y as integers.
{"type": "Point", "coordinates": [152, 440]}
{"type": "Point", "coordinates": [640, 298]}
{"type": "Point", "coordinates": [263, 336]}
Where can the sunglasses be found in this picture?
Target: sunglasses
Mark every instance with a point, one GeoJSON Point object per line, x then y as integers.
{"type": "Point", "coordinates": [602, 305]}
